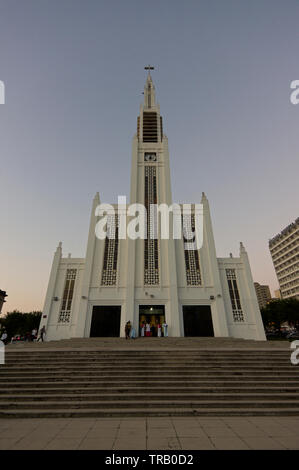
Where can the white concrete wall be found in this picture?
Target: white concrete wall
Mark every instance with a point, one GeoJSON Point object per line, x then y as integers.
{"type": "Point", "coordinates": [56, 330]}
{"type": "Point", "coordinates": [252, 327]}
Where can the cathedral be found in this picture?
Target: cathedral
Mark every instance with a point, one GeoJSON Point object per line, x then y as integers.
{"type": "Point", "coordinates": [152, 280]}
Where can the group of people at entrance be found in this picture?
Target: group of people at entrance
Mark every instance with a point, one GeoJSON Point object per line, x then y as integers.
{"type": "Point", "coordinates": [146, 329]}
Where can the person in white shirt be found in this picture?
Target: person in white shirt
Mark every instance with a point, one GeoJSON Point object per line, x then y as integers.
{"type": "Point", "coordinates": [33, 334]}
{"type": "Point", "coordinates": [4, 337]}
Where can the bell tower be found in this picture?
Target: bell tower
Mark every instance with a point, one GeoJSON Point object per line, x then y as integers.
{"type": "Point", "coordinates": [150, 158]}
{"type": "Point", "coordinates": [151, 262]}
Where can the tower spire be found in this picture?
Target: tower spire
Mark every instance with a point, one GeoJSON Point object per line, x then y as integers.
{"type": "Point", "coordinates": [149, 121]}
{"type": "Point", "coordinates": [149, 90]}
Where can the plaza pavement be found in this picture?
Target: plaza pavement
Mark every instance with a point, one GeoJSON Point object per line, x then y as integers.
{"type": "Point", "coordinates": [194, 433]}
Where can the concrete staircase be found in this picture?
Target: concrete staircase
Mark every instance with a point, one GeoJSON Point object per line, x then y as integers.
{"type": "Point", "coordinates": [44, 382]}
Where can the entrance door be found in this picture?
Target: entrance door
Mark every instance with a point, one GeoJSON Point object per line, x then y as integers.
{"type": "Point", "coordinates": [105, 321]}
{"type": "Point", "coordinates": [152, 314]}
{"type": "Point", "coordinates": [198, 320]}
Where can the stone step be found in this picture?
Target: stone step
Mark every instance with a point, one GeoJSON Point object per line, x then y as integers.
{"type": "Point", "coordinates": [151, 359]}
{"type": "Point", "coordinates": [150, 396]}
{"type": "Point", "coordinates": [71, 391]}
{"type": "Point", "coordinates": [147, 374]}
{"type": "Point", "coordinates": [150, 378]}
{"type": "Point", "coordinates": [146, 352]}
{"type": "Point", "coordinates": [177, 343]}
{"type": "Point", "coordinates": [91, 369]}
{"type": "Point", "coordinates": [148, 362]}
{"type": "Point", "coordinates": [135, 362]}
{"type": "Point", "coordinates": [149, 366]}
{"type": "Point", "coordinates": [161, 412]}
{"type": "Point", "coordinates": [106, 352]}
{"type": "Point", "coordinates": [148, 404]}
{"type": "Point", "coordinates": [105, 385]}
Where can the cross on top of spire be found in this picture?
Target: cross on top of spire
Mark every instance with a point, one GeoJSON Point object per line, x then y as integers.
{"type": "Point", "coordinates": [149, 68]}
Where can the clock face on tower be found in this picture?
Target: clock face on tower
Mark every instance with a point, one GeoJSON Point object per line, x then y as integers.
{"type": "Point", "coordinates": [150, 157]}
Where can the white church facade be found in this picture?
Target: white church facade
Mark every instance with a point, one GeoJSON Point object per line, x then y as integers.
{"type": "Point", "coordinates": [151, 280]}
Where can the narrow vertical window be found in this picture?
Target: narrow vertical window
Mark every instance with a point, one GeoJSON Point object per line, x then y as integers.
{"type": "Point", "coordinates": [151, 248]}
{"type": "Point", "coordinates": [193, 273]}
{"type": "Point", "coordinates": [68, 292]}
{"type": "Point", "coordinates": [149, 96]}
{"type": "Point", "coordinates": [109, 271]}
{"type": "Point", "coordinates": [238, 315]}
{"type": "Point", "coordinates": [161, 128]}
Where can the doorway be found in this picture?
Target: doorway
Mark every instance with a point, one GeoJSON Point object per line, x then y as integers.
{"type": "Point", "coordinates": [152, 314]}
{"type": "Point", "coordinates": [105, 321]}
{"type": "Point", "coordinates": [198, 320]}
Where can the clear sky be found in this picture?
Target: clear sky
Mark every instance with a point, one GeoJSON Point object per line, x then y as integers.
{"type": "Point", "coordinates": [74, 74]}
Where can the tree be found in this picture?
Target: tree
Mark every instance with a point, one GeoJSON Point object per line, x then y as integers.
{"type": "Point", "coordinates": [280, 311]}
{"type": "Point", "coordinates": [18, 323]}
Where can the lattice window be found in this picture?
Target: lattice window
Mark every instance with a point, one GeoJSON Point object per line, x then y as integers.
{"type": "Point", "coordinates": [151, 247]}
{"type": "Point", "coordinates": [68, 292]}
{"type": "Point", "coordinates": [150, 127]}
{"type": "Point", "coordinates": [238, 314]}
{"type": "Point", "coordinates": [193, 272]}
{"type": "Point", "coordinates": [109, 271]}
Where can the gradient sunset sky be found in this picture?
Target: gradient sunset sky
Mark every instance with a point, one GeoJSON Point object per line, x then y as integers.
{"type": "Point", "coordinates": [74, 76]}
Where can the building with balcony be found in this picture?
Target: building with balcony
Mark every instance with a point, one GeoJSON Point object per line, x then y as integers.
{"type": "Point", "coordinates": [263, 294]}
{"type": "Point", "coordinates": [284, 249]}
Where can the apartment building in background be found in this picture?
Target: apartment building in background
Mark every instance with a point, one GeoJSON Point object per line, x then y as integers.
{"type": "Point", "coordinates": [263, 294]}
{"type": "Point", "coordinates": [284, 249]}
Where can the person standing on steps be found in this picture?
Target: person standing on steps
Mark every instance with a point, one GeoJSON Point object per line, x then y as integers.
{"type": "Point", "coordinates": [4, 337]}
{"type": "Point", "coordinates": [165, 329]}
{"type": "Point", "coordinates": [147, 329]}
{"type": "Point", "coordinates": [142, 329]}
{"type": "Point", "coordinates": [159, 330]}
{"type": "Point", "coordinates": [133, 333]}
{"type": "Point", "coordinates": [128, 329]}
{"type": "Point", "coordinates": [34, 334]}
{"type": "Point", "coordinates": [42, 334]}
